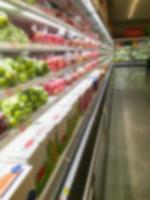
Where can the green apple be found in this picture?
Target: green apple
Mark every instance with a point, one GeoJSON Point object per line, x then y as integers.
{"type": "Point", "coordinates": [31, 73]}
{"type": "Point", "coordinates": [10, 76]}
{"type": "Point", "coordinates": [3, 19]}
{"type": "Point", "coordinates": [27, 111]}
{"type": "Point", "coordinates": [41, 68]}
{"type": "Point", "coordinates": [23, 98]}
{"type": "Point", "coordinates": [3, 82]}
{"type": "Point", "coordinates": [2, 71]}
{"type": "Point", "coordinates": [18, 115]}
{"type": "Point", "coordinates": [22, 77]}
{"type": "Point", "coordinates": [13, 121]}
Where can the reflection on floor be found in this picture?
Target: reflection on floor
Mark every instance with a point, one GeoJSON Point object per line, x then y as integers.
{"type": "Point", "coordinates": [128, 162]}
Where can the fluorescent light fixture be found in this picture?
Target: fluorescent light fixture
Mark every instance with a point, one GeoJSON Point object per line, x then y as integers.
{"type": "Point", "coordinates": [5, 5]}
{"type": "Point", "coordinates": [132, 8]}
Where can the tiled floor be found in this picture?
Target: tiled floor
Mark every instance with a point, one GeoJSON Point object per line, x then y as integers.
{"type": "Point", "coordinates": [128, 163]}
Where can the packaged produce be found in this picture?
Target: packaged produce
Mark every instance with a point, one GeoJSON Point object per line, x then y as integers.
{"type": "Point", "coordinates": [68, 79]}
{"type": "Point", "coordinates": [54, 87]}
{"type": "Point", "coordinates": [48, 38]}
{"type": "Point", "coordinates": [56, 63]}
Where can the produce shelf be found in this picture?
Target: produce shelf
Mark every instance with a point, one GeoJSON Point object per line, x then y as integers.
{"type": "Point", "coordinates": [12, 133]}
{"type": "Point", "coordinates": [48, 127]}
{"type": "Point", "coordinates": [75, 7]}
{"type": "Point", "coordinates": [4, 93]}
{"type": "Point", "coordinates": [55, 181]}
{"type": "Point", "coordinates": [81, 147]}
{"type": "Point", "coordinates": [90, 11]}
{"type": "Point", "coordinates": [53, 21]}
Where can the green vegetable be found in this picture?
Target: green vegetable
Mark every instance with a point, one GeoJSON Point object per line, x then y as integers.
{"type": "Point", "coordinates": [22, 77]}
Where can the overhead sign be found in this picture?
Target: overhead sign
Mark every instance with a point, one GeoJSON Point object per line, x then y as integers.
{"type": "Point", "coordinates": [134, 32]}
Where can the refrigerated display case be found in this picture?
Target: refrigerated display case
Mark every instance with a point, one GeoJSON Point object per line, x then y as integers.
{"type": "Point", "coordinates": [132, 49]}
{"type": "Point", "coordinates": [51, 74]}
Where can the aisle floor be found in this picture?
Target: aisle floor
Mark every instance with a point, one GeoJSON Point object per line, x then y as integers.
{"type": "Point", "coordinates": [128, 162]}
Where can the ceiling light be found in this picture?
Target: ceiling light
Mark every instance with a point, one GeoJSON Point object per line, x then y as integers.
{"type": "Point", "coordinates": [132, 8]}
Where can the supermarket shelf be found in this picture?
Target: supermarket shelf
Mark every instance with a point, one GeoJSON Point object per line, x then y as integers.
{"type": "Point", "coordinates": [52, 21]}
{"type": "Point", "coordinates": [37, 123]}
{"type": "Point", "coordinates": [38, 48]}
{"type": "Point", "coordinates": [54, 183]}
{"type": "Point", "coordinates": [90, 11]}
{"type": "Point", "coordinates": [39, 81]}
{"type": "Point", "coordinates": [10, 134]}
{"type": "Point", "coordinates": [53, 100]}
{"type": "Point", "coordinates": [80, 150]}
{"type": "Point", "coordinates": [76, 5]}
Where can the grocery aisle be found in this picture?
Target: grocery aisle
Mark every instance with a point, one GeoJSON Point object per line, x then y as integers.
{"type": "Point", "coordinates": [128, 162]}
